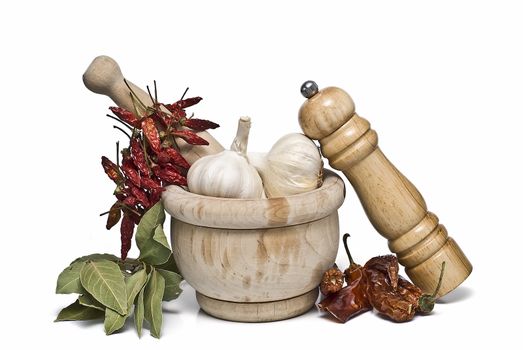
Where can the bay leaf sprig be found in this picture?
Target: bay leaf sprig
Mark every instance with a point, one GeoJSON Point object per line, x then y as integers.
{"type": "Point", "coordinates": [111, 289]}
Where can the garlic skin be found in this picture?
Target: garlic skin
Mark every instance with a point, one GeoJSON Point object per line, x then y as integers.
{"type": "Point", "coordinates": [227, 174]}
{"type": "Point", "coordinates": [292, 166]}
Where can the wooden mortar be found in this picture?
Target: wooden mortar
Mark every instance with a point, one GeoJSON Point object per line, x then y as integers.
{"type": "Point", "coordinates": [393, 205]}
{"type": "Point", "coordinates": [256, 260]}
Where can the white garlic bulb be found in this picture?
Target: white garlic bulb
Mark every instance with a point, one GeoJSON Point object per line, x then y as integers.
{"type": "Point", "coordinates": [292, 166]}
{"type": "Point", "coordinates": [227, 174]}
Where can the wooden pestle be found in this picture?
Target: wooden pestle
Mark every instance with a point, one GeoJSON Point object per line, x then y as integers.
{"type": "Point", "coordinates": [103, 76]}
{"type": "Point", "coordinates": [393, 205]}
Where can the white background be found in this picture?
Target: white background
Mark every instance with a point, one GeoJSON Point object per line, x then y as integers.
{"type": "Point", "coordinates": [441, 82]}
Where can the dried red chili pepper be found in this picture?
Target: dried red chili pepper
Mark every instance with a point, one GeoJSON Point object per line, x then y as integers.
{"type": "Point", "coordinates": [151, 133]}
{"type": "Point", "coordinates": [170, 155]}
{"type": "Point", "coordinates": [332, 281]}
{"type": "Point", "coordinates": [190, 137]}
{"type": "Point", "coordinates": [114, 216]}
{"type": "Point", "coordinates": [150, 184]}
{"type": "Point", "coordinates": [156, 195]}
{"type": "Point", "coordinates": [131, 173]}
{"type": "Point", "coordinates": [351, 300]}
{"type": "Point", "coordinates": [138, 156]}
{"type": "Point", "coordinates": [130, 201]}
{"type": "Point", "coordinates": [140, 196]}
{"type": "Point", "coordinates": [112, 170]}
{"type": "Point", "coordinates": [170, 175]}
{"type": "Point", "coordinates": [199, 124]}
{"type": "Point", "coordinates": [126, 235]}
{"type": "Point", "coordinates": [127, 116]}
{"type": "Point", "coordinates": [188, 102]}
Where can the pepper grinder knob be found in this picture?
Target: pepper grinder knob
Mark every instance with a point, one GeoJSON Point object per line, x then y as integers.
{"type": "Point", "coordinates": [393, 205]}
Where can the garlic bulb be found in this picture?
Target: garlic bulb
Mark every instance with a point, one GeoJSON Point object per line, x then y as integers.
{"type": "Point", "coordinates": [227, 174]}
{"type": "Point", "coordinates": [292, 166]}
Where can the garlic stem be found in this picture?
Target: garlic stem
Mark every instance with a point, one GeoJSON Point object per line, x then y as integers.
{"type": "Point", "coordinates": [242, 136]}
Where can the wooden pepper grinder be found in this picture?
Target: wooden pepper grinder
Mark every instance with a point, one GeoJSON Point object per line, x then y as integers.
{"type": "Point", "coordinates": [393, 205]}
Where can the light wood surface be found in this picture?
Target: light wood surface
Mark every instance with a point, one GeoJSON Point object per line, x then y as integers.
{"type": "Point", "coordinates": [258, 312]}
{"type": "Point", "coordinates": [255, 251]}
{"type": "Point", "coordinates": [104, 76]}
{"type": "Point", "coordinates": [392, 203]}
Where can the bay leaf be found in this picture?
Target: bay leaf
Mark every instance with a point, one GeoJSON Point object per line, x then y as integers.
{"type": "Point", "coordinates": [172, 284]}
{"type": "Point", "coordinates": [78, 312]}
{"type": "Point", "coordinates": [69, 279]}
{"type": "Point", "coordinates": [155, 250]}
{"type": "Point", "coordinates": [170, 265]}
{"type": "Point", "coordinates": [153, 302]}
{"type": "Point", "coordinates": [150, 220]}
{"type": "Point", "coordinates": [89, 301]}
{"type": "Point", "coordinates": [104, 281]}
{"type": "Point", "coordinates": [133, 285]}
{"type": "Point", "coordinates": [139, 308]}
{"type": "Point", "coordinates": [97, 256]}
{"type": "Point", "coordinates": [113, 321]}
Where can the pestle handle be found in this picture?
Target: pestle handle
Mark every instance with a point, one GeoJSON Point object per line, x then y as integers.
{"type": "Point", "coordinates": [392, 203]}
{"type": "Point", "coordinates": [104, 76]}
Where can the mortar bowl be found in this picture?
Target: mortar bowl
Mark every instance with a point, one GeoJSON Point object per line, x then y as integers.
{"type": "Point", "coordinates": [256, 260]}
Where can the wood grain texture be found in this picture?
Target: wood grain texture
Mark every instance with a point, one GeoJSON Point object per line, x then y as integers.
{"type": "Point", "coordinates": [256, 213]}
{"type": "Point", "coordinates": [258, 312]}
{"type": "Point", "coordinates": [392, 203]}
{"type": "Point", "coordinates": [256, 251]}
{"type": "Point", "coordinates": [104, 76]}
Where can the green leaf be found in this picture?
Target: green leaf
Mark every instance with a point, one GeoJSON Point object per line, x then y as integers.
{"type": "Point", "coordinates": [97, 256]}
{"type": "Point", "coordinates": [150, 220]}
{"type": "Point", "coordinates": [77, 312]}
{"type": "Point", "coordinates": [89, 301]}
{"type": "Point", "coordinates": [113, 321]}
{"type": "Point", "coordinates": [69, 279]}
{"type": "Point", "coordinates": [170, 265]}
{"type": "Point", "coordinates": [139, 308]}
{"type": "Point", "coordinates": [133, 285]}
{"type": "Point", "coordinates": [153, 302]}
{"type": "Point", "coordinates": [104, 281]}
{"type": "Point", "coordinates": [155, 250]}
{"type": "Point", "coordinates": [172, 284]}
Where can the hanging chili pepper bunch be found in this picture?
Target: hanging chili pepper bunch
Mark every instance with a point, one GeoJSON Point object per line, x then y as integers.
{"type": "Point", "coordinates": [376, 285]}
{"type": "Point", "coordinates": [152, 160]}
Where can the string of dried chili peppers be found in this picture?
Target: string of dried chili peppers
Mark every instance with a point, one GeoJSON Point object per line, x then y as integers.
{"type": "Point", "coordinates": [152, 160]}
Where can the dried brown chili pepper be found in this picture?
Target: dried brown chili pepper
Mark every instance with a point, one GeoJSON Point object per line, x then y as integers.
{"type": "Point", "coordinates": [332, 281]}
{"type": "Point", "coordinates": [190, 137]}
{"type": "Point", "coordinates": [114, 216]}
{"type": "Point", "coordinates": [351, 300]}
{"type": "Point", "coordinates": [392, 295]}
{"type": "Point", "coordinates": [151, 134]}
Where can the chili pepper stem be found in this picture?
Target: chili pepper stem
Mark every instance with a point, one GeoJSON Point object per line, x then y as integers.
{"type": "Point", "coordinates": [426, 301]}
{"type": "Point", "coordinates": [105, 213]}
{"type": "Point", "coordinates": [119, 120]}
{"type": "Point", "coordinates": [118, 153]}
{"type": "Point", "coordinates": [186, 89]}
{"type": "Point", "coordinates": [122, 130]}
{"type": "Point", "coordinates": [134, 96]}
{"type": "Point", "coordinates": [345, 237]}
